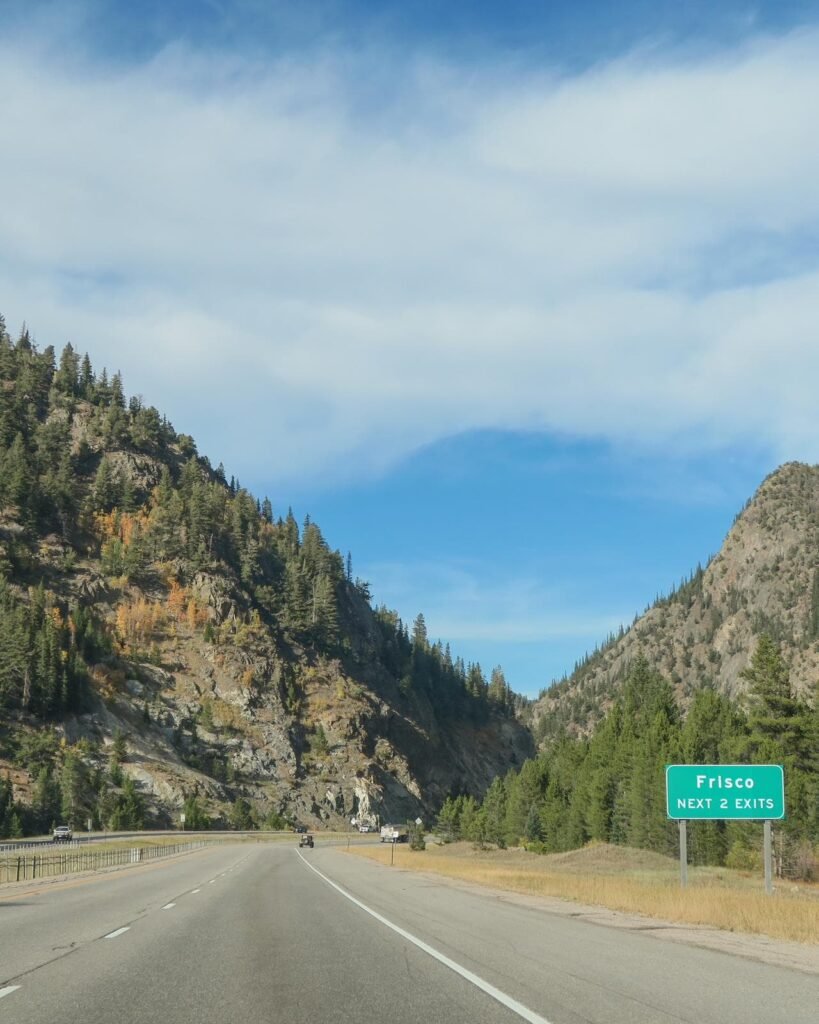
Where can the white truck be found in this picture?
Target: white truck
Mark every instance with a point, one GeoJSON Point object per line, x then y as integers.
{"type": "Point", "coordinates": [394, 834]}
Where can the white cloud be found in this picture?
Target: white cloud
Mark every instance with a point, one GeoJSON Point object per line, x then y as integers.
{"type": "Point", "coordinates": [317, 265]}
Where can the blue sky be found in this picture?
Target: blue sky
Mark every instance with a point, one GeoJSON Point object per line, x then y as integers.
{"type": "Point", "coordinates": [517, 300]}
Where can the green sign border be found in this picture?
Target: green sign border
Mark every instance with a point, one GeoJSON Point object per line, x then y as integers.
{"type": "Point", "coordinates": [720, 817]}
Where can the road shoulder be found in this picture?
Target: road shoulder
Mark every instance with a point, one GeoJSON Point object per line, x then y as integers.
{"type": "Point", "coordinates": [775, 952]}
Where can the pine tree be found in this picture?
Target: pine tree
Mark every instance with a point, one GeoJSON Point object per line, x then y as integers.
{"type": "Point", "coordinates": [46, 800]}
{"type": "Point", "coordinates": [117, 392]}
{"type": "Point", "coordinates": [324, 616]}
{"type": "Point", "coordinates": [67, 378]}
{"type": "Point", "coordinates": [16, 480]}
{"type": "Point", "coordinates": [494, 804]}
{"type": "Point", "coordinates": [86, 382]}
{"type": "Point", "coordinates": [73, 781]}
{"type": "Point", "coordinates": [419, 632]}
{"type": "Point", "coordinates": [106, 493]}
{"type": "Point", "coordinates": [777, 721]}
{"type": "Point", "coordinates": [498, 688]}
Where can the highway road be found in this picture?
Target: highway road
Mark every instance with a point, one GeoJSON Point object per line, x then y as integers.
{"type": "Point", "coordinates": [254, 934]}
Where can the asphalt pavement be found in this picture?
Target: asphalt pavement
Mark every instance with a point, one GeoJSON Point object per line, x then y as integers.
{"type": "Point", "coordinates": [246, 934]}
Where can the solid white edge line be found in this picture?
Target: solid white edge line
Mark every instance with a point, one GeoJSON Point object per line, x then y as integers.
{"type": "Point", "coordinates": [8, 990]}
{"type": "Point", "coordinates": [168, 906]}
{"type": "Point", "coordinates": [119, 931]}
{"type": "Point", "coordinates": [484, 986]}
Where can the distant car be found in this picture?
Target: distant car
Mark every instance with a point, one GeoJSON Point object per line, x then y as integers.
{"type": "Point", "coordinates": [62, 834]}
{"type": "Point", "coordinates": [306, 841]}
{"type": "Point", "coordinates": [363, 828]}
{"type": "Point", "coordinates": [300, 828]}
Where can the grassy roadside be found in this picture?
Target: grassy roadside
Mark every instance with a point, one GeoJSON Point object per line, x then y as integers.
{"type": "Point", "coordinates": [634, 881]}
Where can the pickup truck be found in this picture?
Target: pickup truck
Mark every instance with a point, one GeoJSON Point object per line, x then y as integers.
{"type": "Point", "coordinates": [394, 834]}
{"type": "Point", "coordinates": [62, 834]}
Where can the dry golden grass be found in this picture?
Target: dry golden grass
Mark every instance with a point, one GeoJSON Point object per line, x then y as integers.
{"type": "Point", "coordinates": [633, 881]}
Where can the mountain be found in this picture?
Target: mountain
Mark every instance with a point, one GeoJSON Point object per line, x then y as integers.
{"type": "Point", "coordinates": [168, 642]}
{"type": "Point", "coordinates": [722, 671]}
{"type": "Point", "coordinates": [763, 581]}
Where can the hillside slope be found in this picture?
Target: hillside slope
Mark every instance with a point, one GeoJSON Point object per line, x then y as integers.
{"type": "Point", "coordinates": [167, 641]}
{"type": "Point", "coordinates": [764, 580]}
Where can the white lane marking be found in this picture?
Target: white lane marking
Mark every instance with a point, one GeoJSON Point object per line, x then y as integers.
{"type": "Point", "coordinates": [501, 997]}
{"type": "Point", "coordinates": [195, 891]}
{"type": "Point", "coordinates": [8, 990]}
{"type": "Point", "coordinates": [211, 881]}
{"type": "Point", "coordinates": [168, 906]}
{"type": "Point", "coordinates": [119, 931]}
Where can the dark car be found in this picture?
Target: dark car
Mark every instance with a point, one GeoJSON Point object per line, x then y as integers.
{"type": "Point", "coordinates": [306, 841]}
{"type": "Point", "coordinates": [300, 828]}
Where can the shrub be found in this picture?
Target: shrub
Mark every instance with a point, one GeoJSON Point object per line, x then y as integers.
{"type": "Point", "coordinates": [417, 841]}
{"type": "Point", "coordinates": [743, 858]}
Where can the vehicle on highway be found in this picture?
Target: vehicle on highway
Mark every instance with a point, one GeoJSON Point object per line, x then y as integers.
{"type": "Point", "coordinates": [364, 828]}
{"type": "Point", "coordinates": [300, 828]}
{"type": "Point", "coordinates": [394, 834]}
{"type": "Point", "coordinates": [62, 834]}
{"type": "Point", "coordinates": [306, 840]}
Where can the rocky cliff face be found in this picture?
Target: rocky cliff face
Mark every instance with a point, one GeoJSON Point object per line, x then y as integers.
{"type": "Point", "coordinates": [764, 580]}
{"type": "Point", "coordinates": [309, 737]}
{"type": "Point", "coordinates": [219, 726]}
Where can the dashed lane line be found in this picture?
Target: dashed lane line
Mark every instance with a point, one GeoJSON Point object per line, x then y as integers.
{"type": "Point", "coordinates": [195, 891]}
{"type": "Point", "coordinates": [8, 990]}
{"type": "Point", "coordinates": [495, 993]}
{"type": "Point", "coordinates": [168, 906]}
{"type": "Point", "coordinates": [119, 931]}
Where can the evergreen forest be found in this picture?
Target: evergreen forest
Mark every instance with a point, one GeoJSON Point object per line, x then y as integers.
{"type": "Point", "coordinates": [610, 786]}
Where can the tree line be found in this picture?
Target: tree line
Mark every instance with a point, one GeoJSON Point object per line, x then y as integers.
{"type": "Point", "coordinates": [610, 787]}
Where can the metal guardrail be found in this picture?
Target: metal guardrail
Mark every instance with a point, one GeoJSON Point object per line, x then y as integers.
{"type": "Point", "coordinates": [14, 845]}
{"type": "Point", "coordinates": [38, 844]}
{"type": "Point", "coordinates": [30, 867]}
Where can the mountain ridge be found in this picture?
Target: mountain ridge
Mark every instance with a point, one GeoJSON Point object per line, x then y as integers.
{"type": "Point", "coordinates": [148, 597]}
{"type": "Point", "coordinates": [762, 580]}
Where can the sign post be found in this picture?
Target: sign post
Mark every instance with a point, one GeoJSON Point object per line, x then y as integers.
{"type": "Point", "coordinates": [725, 792]}
{"type": "Point", "coordinates": [768, 859]}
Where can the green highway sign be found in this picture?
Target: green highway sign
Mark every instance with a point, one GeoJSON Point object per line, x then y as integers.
{"type": "Point", "coordinates": [709, 792]}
